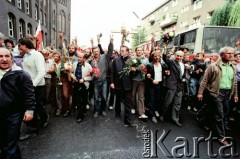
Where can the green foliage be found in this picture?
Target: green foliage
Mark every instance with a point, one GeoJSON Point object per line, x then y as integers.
{"type": "Point", "coordinates": [234, 17]}
{"type": "Point", "coordinates": [215, 17]}
{"type": "Point", "coordinates": [139, 37]}
{"type": "Point", "coordinates": [221, 15]}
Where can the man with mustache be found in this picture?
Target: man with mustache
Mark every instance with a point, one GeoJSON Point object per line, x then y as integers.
{"type": "Point", "coordinates": [17, 102]}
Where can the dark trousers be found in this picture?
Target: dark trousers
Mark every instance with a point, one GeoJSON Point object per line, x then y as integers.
{"type": "Point", "coordinates": [221, 111]}
{"type": "Point", "coordinates": [175, 97]}
{"type": "Point", "coordinates": [214, 111]}
{"type": "Point", "coordinates": [80, 99]}
{"type": "Point", "coordinates": [155, 95]}
{"type": "Point", "coordinates": [238, 103]}
{"type": "Point", "coordinates": [125, 96]}
{"type": "Point", "coordinates": [39, 111]}
{"type": "Point", "coordinates": [112, 95]}
{"type": "Point", "coordinates": [10, 126]}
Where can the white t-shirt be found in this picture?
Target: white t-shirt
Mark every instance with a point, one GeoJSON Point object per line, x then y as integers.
{"type": "Point", "coordinates": [158, 73]}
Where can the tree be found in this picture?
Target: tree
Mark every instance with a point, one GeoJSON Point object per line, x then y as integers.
{"type": "Point", "coordinates": [139, 37]}
{"type": "Point", "coordinates": [234, 17]}
{"type": "Point", "coordinates": [221, 15]}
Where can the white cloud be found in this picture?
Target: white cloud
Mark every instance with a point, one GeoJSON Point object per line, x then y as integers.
{"type": "Point", "coordinates": [91, 17]}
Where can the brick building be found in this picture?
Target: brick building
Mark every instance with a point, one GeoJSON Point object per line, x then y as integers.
{"type": "Point", "coordinates": [20, 17]}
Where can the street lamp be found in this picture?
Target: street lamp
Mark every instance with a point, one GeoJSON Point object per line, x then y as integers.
{"type": "Point", "coordinates": [138, 26]}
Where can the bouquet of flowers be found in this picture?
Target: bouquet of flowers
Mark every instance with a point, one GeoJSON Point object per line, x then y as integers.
{"type": "Point", "coordinates": [94, 72]}
{"type": "Point", "coordinates": [168, 37]}
{"type": "Point", "coordinates": [137, 63]}
{"type": "Point", "coordinates": [69, 68]}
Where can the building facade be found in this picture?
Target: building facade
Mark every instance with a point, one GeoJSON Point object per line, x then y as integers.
{"type": "Point", "coordinates": [179, 15]}
{"type": "Point", "coordinates": [21, 17]}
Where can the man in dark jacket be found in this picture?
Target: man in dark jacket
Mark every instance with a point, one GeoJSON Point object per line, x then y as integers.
{"type": "Point", "coordinates": [173, 85]}
{"type": "Point", "coordinates": [122, 84]}
{"type": "Point", "coordinates": [17, 102]}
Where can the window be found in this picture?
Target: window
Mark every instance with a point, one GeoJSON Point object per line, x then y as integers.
{"type": "Point", "coordinates": [62, 21]}
{"type": "Point", "coordinates": [20, 4]}
{"type": "Point", "coordinates": [29, 29]}
{"type": "Point", "coordinates": [197, 19]}
{"type": "Point", "coordinates": [21, 28]}
{"type": "Point", "coordinates": [54, 18]}
{"type": "Point", "coordinates": [41, 16]}
{"type": "Point", "coordinates": [197, 4]}
{"type": "Point", "coordinates": [184, 24]}
{"type": "Point", "coordinates": [11, 1]}
{"type": "Point", "coordinates": [185, 9]}
{"type": "Point", "coordinates": [11, 25]}
{"type": "Point", "coordinates": [27, 7]}
{"type": "Point", "coordinates": [209, 14]}
{"type": "Point", "coordinates": [174, 3]}
{"type": "Point", "coordinates": [45, 39]}
{"type": "Point", "coordinates": [36, 12]}
{"type": "Point", "coordinates": [44, 19]}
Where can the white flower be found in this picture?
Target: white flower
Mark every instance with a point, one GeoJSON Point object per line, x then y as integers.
{"type": "Point", "coordinates": [67, 65]}
{"type": "Point", "coordinates": [134, 61]}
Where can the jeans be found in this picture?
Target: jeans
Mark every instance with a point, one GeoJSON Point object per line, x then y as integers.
{"type": "Point", "coordinates": [10, 126]}
{"type": "Point", "coordinates": [100, 95]}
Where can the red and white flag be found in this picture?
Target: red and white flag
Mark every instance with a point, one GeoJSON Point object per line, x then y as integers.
{"type": "Point", "coordinates": [39, 37]}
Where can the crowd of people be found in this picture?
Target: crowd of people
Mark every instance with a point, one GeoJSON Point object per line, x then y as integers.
{"type": "Point", "coordinates": [152, 84]}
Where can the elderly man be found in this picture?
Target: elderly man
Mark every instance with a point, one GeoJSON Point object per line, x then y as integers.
{"type": "Point", "coordinates": [81, 84]}
{"type": "Point", "coordinates": [17, 102]}
{"type": "Point", "coordinates": [174, 86]}
{"type": "Point", "coordinates": [219, 84]}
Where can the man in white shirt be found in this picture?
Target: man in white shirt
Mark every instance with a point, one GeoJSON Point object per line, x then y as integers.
{"type": "Point", "coordinates": [34, 64]}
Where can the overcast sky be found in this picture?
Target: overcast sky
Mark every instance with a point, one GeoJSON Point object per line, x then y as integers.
{"type": "Point", "coordinates": [91, 17]}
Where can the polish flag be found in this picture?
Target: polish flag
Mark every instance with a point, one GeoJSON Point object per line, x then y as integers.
{"type": "Point", "coordinates": [39, 37]}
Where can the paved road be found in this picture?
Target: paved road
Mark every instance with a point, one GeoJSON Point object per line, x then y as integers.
{"type": "Point", "coordinates": [108, 138]}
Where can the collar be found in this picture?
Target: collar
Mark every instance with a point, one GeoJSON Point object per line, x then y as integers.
{"type": "Point", "coordinates": [83, 64]}
{"type": "Point", "coordinates": [223, 64]}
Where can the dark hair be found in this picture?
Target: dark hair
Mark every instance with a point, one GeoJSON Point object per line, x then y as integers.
{"type": "Point", "coordinates": [27, 42]}
{"type": "Point", "coordinates": [9, 41]}
{"type": "Point", "coordinates": [86, 56]}
{"type": "Point", "coordinates": [183, 48]}
{"type": "Point", "coordinates": [127, 49]}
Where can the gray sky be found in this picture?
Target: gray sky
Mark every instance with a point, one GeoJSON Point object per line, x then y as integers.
{"type": "Point", "coordinates": [91, 17]}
